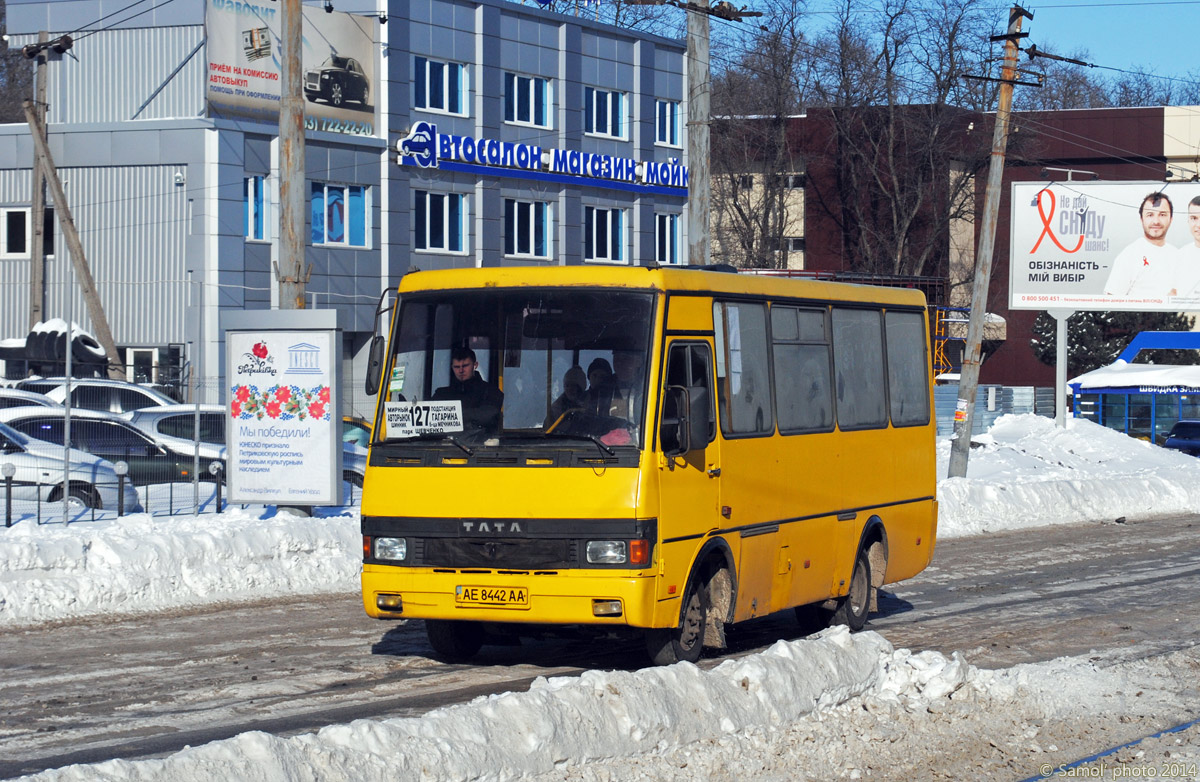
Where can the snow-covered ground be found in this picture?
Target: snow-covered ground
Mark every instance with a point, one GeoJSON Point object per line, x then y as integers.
{"type": "Point", "coordinates": [833, 705]}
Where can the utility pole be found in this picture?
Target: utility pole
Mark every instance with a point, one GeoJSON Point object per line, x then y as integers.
{"type": "Point", "coordinates": [699, 84]}
{"type": "Point", "coordinates": [37, 212]}
{"type": "Point", "coordinates": [83, 273]}
{"type": "Point", "coordinates": [290, 270]}
{"type": "Point", "coordinates": [968, 383]}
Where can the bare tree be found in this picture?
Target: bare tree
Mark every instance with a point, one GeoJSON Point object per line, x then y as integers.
{"type": "Point", "coordinates": [755, 171]}
{"type": "Point", "coordinates": [902, 152]}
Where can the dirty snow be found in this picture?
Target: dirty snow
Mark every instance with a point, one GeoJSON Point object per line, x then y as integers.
{"type": "Point", "coordinates": [831, 706]}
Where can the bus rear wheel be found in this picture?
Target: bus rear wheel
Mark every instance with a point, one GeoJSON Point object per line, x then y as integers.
{"type": "Point", "coordinates": [852, 609]}
{"type": "Point", "coordinates": [454, 642]}
{"type": "Point", "coordinates": [685, 642]}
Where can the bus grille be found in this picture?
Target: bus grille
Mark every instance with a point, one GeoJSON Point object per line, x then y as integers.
{"type": "Point", "coordinates": [521, 554]}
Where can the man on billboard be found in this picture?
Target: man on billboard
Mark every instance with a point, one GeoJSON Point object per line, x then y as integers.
{"type": "Point", "coordinates": [1144, 267]}
{"type": "Point", "coordinates": [1187, 275]}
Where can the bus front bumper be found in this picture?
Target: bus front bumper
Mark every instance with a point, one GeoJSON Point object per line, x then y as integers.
{"type": "Point", "coordinates": [567, 598]}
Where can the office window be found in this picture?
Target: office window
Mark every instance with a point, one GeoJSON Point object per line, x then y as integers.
{"type": "Point", "coordinates": [339, 214]}
{"type": "Point", "coordinates": [603, 112]}
{"type": "Point", "coordinates": [15, 232]}
{"type": "Point", "coordinates": [254, 212]}
{"type": "Point", "coordinates": [667, 113]}
{"type": "Point", "coordinates": [603, 234]}
{"type": "Point", "coordinates": [527, 226]}
{"type": "Point", "coordinates": [666, 238]}
{"type": "Point", "coordinates": [439, 221]}
{"type": "Point", "coordinates": [526, 100]}
{"type": "Point", "coordinates": [439, 86]}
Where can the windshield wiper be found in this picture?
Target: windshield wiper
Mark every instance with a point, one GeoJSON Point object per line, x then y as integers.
{"type": "Point", "coordinates": [427, 436]}
{"type": "Point", "coordinates": [603, 448]}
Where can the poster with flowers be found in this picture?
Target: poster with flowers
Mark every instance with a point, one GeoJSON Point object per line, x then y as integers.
{"type": "Point", "coordinates": [283, 430]}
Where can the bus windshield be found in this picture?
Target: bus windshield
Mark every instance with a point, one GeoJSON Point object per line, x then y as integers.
{"type": "Point", "coordinates": [520, 367]}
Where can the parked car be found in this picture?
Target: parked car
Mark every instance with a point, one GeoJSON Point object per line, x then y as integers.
{"type": "Point", "coordinates": [15, 397]}
{"type": "Point", "coordinates": [338, 80]}
{"type": "Point", "coordinates": [97, 393]}
{"type": "Point", "coordinates": [1185, 436]}
{"type": "Point", "coordinates": [107, 436]}
{"type": "Point", "coordinates": [39, 474]}
{"type": "Point", "coordinates": [356, 430]}
{"type": "Point", "coordinates": [172, 426]}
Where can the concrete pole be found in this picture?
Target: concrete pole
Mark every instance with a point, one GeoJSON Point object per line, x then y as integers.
{"type": "Point", "coordinates": [968, 383]}
{"type": "Point", "coordinates": [291, 271]}
{"type": "Point", "coordinates": [83, 273]}
{"type": "Point", "coordinates": [699, 113]}
{"type": "Point", "coordinates": [37, 212]}
{"type": "Point", "coordinates": [1060, 365]}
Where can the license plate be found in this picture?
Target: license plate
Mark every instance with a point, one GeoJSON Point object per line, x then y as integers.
{"type": "Point", "coordinates": [496, 597]}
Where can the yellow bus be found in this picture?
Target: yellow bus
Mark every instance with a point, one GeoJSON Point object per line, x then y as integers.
{"type": "Point", "coordinates": [668, 450]}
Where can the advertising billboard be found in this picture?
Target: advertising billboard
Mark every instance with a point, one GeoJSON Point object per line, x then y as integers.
{"type": "Point", "coordinates": [1128, 246]}
{"type": "Point", "coordinates": [245, 64]}
{"type": "Point", "coordinates": [284, 431]}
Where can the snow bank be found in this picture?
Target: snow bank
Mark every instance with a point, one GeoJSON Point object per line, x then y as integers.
{"type": "Point", "coordinates": [144, 563]}
{"type": "Point", "coordinates": [570, 721]}
{"type": "Point", "coordinates": [1029, 473]}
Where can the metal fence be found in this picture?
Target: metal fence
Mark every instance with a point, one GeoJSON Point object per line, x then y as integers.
{"type": "Point", "coordinates": [991, 402]}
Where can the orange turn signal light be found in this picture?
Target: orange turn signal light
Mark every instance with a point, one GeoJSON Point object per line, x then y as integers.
{"type": "Point", "coordinates": [639, 552]}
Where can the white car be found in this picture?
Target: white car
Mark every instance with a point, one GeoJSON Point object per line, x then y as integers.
{"type": "Point", "coordinates": [15, 397]}
{"type": "Point", "coordinates": [38, 474]}
{"type": "Point", "coordinates": [103, 394]}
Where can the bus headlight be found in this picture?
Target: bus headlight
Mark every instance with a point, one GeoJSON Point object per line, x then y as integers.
{"type": "Point", "coordinates": [391, 548]}
{"type": "Point", "coordinates": [606, 552]}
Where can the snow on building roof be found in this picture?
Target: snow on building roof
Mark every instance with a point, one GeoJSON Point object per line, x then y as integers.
{"type": "Point", "coordinates": [1148, 378]}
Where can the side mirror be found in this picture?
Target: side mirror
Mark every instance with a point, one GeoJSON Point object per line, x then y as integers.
{"type": "Point", "coordinates": [375, 361]}
{"type": "Point", "coordinates": [685, 420]}
{"type": "Point", "coordinates": [674, 431]}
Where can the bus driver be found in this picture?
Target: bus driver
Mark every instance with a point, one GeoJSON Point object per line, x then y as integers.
{"type": "Point", "coordinates": [481, 402]}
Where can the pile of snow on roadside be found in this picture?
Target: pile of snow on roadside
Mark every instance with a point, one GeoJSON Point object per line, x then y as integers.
{"type": "Point", "coordinates": [1026, 472]}
{"type": "Point", "coordinates": [571, 720]}
{"type": "Point", "coordinates": [144, 563]}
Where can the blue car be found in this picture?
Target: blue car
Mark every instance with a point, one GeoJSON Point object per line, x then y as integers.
{"type": "Point", "coordinates": [1185, 436]}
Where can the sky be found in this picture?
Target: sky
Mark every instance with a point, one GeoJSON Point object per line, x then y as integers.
{"type": "Point", "coordinates": [1118, 33]}
{"type": "Point", "coordinates": [647, 724]}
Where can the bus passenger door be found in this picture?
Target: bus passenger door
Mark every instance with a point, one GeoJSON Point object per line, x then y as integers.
{"type": "Point", "coordinates": [689, 466]}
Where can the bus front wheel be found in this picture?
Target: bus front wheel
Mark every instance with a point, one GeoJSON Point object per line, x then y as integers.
{"type": "Point", "coordinates": [684, 642]}
{"type": "Point", "coordinates": [852, 609]}
{"type": "Point", "coordinates": [454, 642]}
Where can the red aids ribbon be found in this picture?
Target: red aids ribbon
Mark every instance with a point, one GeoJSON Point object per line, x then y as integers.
{"type": "Point", "coordinates": [1046, 218]}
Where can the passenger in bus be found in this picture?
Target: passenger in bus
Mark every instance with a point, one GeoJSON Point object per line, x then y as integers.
{"type": "Point", "coordinates": [602, 393]}
{"type": "Point", "coordinates": [573, 397]}
{"type": "Point", "coordinates": [627, 364]}
{"type": "Point", "coordinates": [481, 401]}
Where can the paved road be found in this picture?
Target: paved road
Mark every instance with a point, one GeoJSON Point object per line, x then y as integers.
{"type": "Point", "coordinates": [84, 691]}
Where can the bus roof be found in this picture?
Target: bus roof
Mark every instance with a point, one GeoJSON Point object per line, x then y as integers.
{"type": "Point", "coordinates": [671, 279]}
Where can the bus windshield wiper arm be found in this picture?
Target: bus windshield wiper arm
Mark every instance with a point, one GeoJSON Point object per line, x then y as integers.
{"type": "Point", "coordinates": [603, 448]}
{"type": "Point", "coordinates": [448, 437]}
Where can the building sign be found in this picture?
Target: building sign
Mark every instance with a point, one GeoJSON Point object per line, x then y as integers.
{"type": "Point", "coordinates": [339, 80]}
{"type": "Point", "coordinates": [1105, 246]}
{"type": "Point", "coordinates": [284, 430]}
{"type": "Point", "coordinates": [424, 147]}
